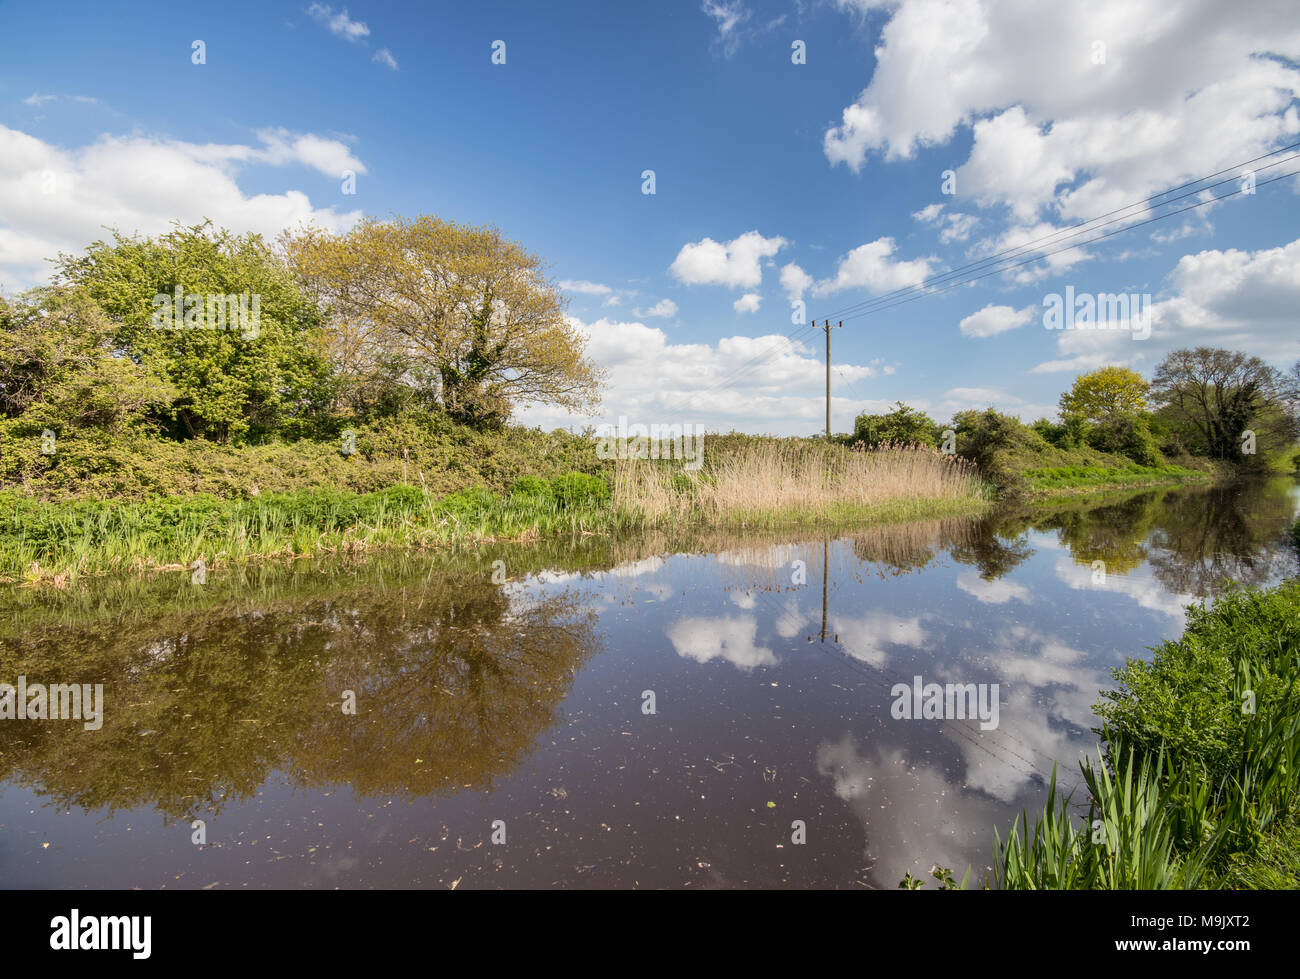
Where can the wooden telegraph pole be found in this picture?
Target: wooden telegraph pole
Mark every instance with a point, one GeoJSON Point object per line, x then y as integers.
{"type": "Point", "coordinates": [828, 329]}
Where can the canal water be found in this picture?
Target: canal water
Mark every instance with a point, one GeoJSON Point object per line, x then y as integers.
{"type": "Point", "coordinates": [720, 712]}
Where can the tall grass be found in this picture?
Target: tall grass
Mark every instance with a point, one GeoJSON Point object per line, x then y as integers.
{"type": "Point", "coordinates": [1202, 762]}
{"type": "Point", "coordinates": [765, 481]}
{"type": "Point", "coordinates": [57, 542]}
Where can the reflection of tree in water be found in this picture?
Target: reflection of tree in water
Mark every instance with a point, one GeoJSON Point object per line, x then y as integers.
{"type": "Point", "coordinates": [994, 547]}
{"type": "Point", "coordinates": [1194, 539]}
{"type": "Point", "coordinates": [455, 699]}
{"type": "Point", "coordinates": [1113, 533]}
{"type": "Point", "coordinates": [202, 705]}
{"type": "Point", "coordinates": [1203, 540]}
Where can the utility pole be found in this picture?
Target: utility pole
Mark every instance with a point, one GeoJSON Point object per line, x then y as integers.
{"type": "Point", "coordinates": [828, 329]}
{"type": "Point", "coordinates": [826, 566]}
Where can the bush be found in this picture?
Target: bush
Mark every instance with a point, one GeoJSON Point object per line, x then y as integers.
{"type": "Point", "coordinates": [579, 489]}
{"type": "Point", "coordinates": [902, 426]}
{"type": "Point", "coordinates": [1189, 697]}
{"type": "Point", "coordinates": [1126, 435]}
{"type": "Point", "coordinates": [532, 488]}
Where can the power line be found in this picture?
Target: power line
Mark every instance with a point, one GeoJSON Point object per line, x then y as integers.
{"type": "Point", "coordinates": [880, 303]}
{"type": "Point", "coordinates": [1026, 246]}
{"type": "Point", "coordinates": [1040, 255]}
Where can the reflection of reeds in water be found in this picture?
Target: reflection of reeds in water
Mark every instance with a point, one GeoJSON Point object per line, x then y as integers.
{"type": "Point", "coordinates": [910, 546]}
{"type": "Point", "coordinates": [763, 482]}
{"type": "Point", "coordinates": [764, 558]}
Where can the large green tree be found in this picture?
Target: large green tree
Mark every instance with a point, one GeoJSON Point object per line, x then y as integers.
{"type": "Point", "coordinates": [1218, 396]}
{"type": "Point", "coordinates": [1105, 393]}
{"type": "Point", "coordinates": [235, 378]}
{"type": "Point", "coordinates": [451, 312]}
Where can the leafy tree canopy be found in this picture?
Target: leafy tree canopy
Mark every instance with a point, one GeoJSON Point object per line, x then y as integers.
{"type": "Point", "coordinates": [456, 313]}
{"type": "Point", "coordinates": [239, 372]}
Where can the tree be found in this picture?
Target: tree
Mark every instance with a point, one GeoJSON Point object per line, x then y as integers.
{"type": "Point", "coordinates": [902, 425]}
{"type": "Point", "coordinates": [59, 367]}
{"type": "Point", "coordinates": [454, 313]}
{"type": "Point", "coordinates": [1220, 395]}
{"type": "Point", "coordinates": [1105, 393]}
{"type": "Point", "coordinates": [239, 371]}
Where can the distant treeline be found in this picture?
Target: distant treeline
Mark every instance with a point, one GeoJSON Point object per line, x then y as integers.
{"type": "Point", "coordinates": [1204, 405]}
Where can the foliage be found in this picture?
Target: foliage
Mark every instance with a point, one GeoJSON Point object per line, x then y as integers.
{"type": "Point", "coordinates": [457, 314]}
{"type": "Point", "coordinates": [1104, 393]}
{"type": "Point", "coordinates": [59, 368]}
{"type": "Point", "coordinates": [1213, 397]}
{"type": "Point", "coordinates": [901, 426]}
{"type": "Point", "coordinates": [1126, 434]}
{"type": "Point", "coordinates": [1201, 775]}
{"type": "Point", "coordinates": [1247, 641]}
{"type": "Point", "coordinates": [579, 490]}
{"type": "Point", "coordinates": [268, 377]}
{"type": "Point", "coordinates": [532, 486]}
{"type": "Point", "coordinates": [407, 448]}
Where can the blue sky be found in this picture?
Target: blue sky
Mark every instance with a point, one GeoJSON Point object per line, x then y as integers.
{"type": "Point", "coordinates": [773, 180]}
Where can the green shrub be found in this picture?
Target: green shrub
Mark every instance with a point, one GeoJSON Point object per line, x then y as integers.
{"type": "Point", "coordinates": [903, 425]}
{"type": "Point", "coordinates": [579, 489]}
{"type": "Point", "coordinates": [1126, 435]}
{"type": "Point", "coordinates": [1190, 696]}
{"type": "Point", "coordinates": [532, 487]}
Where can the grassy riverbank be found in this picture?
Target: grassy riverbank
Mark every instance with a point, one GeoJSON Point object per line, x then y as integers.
{"type": "Point", "coordinates": [1199, 786]}
{"type": "Point", "coordinates": [746, 484]}
{"type": "Point", "coordinates": [1051, 481]}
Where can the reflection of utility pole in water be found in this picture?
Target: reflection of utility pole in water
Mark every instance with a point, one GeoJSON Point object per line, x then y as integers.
{"type": "Point", "coordinates": [825, 567]}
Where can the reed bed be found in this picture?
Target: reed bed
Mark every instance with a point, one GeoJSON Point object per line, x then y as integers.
{"type": "Point", "coordinates": [775, 481]}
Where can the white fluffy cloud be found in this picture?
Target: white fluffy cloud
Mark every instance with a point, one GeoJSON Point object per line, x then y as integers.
{"type": "Point", "coordinates": [663, 308]}
{"type": "Point", "coordinates": [1075, 107]}
{"type": "Point", "coordinates": [952, 227]}
{"type": "Point", "coordinates": [1221, 298]}
{"type": "Point", "coordinates": [765, 383]}
{"type": "Point", "coordinates": [871, 266]}
{"type": "Point", "coordinates": [748, 303]}
{"type": "Point", "coordinates": [54, 199]}
{"type": "Point", "coordinates": [735, 264]}
{"type": "Point", "coordinates": [795, 281]}
{"type": "Point", "coordinates": [992, 320]}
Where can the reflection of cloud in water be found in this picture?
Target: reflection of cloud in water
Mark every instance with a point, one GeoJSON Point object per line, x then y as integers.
{"type": "Point", "coordinates": [791, 621]}
{"type": "Point", "coordinates": [1141, 588]}
{"type": "Point", "coordinates": [743, 599]}
{"type": "Point", "coordinates": [1046, 716]}
{"type": "Point", "coordinates": [729, 639]}
{"type": "Point", "coordinates": [866, 637]}
{"type": "Point", "coordinates": [995, 592]}
{"type": "Point", "coordinates": [915, 816]}
{"type": "Point", "coordinates": [633, 569]}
